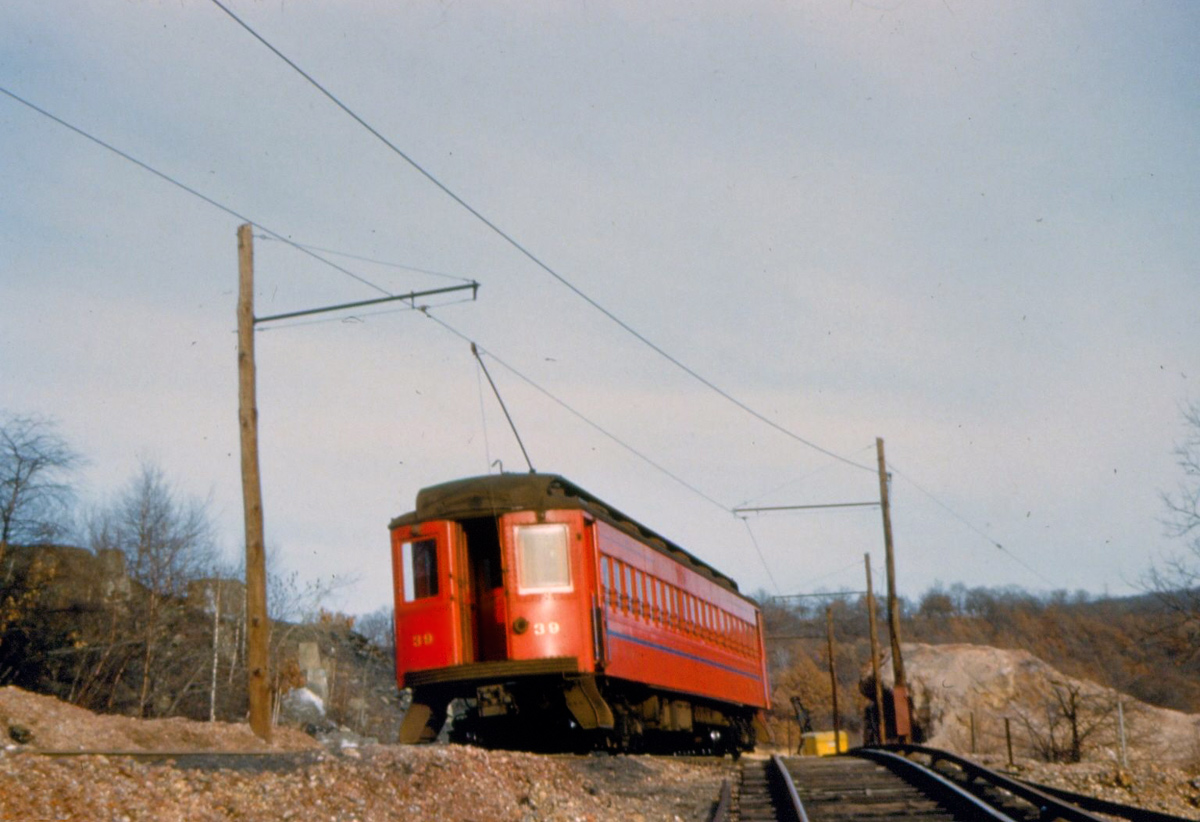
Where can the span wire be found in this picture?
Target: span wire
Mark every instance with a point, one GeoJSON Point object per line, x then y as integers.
{"type": "Point", "coordinates": [184, 187]}
{"type": "Point", "coordinates": [987, 537]}
{"type": "Point", "coordinates": [579, 415]}
{"type": "Point", "coordinates": [508, 238]}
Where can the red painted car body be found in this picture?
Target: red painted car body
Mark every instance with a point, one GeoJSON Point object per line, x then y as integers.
{"type": "Point", "coordinates": [522, 595]}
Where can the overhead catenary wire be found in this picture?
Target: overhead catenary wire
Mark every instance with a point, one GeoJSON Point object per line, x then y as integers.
{"type": "Point", "coordinates": [478, 351]}
{"type": "Point", "coordinates": [761, 558]}
{"type": "Point", "coordinates": [185, 187]}
{"type": "Point", "coordinates": [537, 261]}
{"type": "Point", "coordinates": [282, 238]}
{"type": "Point", "coordinates": [361, 258]}
{"type": "Point", "coordinates": [796, 480]}
{"type": "Point", "coordinates": [986, 537]}
{"type": "Point", "coordinates": [310, 252]}
{"type": "Point", "coordinates": [579, 415]}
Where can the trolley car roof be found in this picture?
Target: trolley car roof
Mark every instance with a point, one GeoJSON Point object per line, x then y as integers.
{"type": "Point", "coordinates": [496, 494]}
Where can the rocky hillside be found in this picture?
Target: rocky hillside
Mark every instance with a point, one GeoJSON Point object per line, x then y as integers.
{"type": "Point", "coordinates": [963, 694]}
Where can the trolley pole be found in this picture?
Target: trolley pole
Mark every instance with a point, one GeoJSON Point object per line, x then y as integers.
{"type": "Point", "coordinates": [900, 688]}
{"type": "Point", "coordinates": [257, 627]}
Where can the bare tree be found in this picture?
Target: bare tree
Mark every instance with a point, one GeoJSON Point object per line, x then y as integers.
{"type": "Point", "coordinates": [168, 542]}
{"type": "Point", "coordinates": [35, 502]}
{"type": "Point", "coordinates": [1175, 581]}
{"type": "Point", "coordinates": [35, 494]}
{"type": "Point", "coordinates": [1066, 723]}
{"type": "Point", "coordinates": [379, 628]}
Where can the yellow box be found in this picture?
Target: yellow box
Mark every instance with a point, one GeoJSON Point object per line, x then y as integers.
{"type": "Point", "coordinates": [821, 743]}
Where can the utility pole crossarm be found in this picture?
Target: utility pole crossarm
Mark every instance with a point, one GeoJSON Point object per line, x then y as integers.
{"type": "Point", "coordinates": [412, 297]}
{"type": "Point", "coordinates": [806, 507]}
{"type": "Point", "coordinates": [828, 595]}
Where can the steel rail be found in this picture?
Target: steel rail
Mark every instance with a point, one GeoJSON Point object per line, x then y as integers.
{"type": "Point", "coordinates": [785, 788]}
{"type": "Point", "coordinates": [1104, 806]}
{"type": "Point", "coordinates": [936, 785]}
{"type": "Point", "coordinates": [721, 811]}
{"type": "Point", "coordinates": [68, 752]}
{"type": "Point", "coordinates": [1045, 802]}
{"type": "Point", "coordinates": [195, 759]}
{"type": "Point", "coordinates": [772, 783]}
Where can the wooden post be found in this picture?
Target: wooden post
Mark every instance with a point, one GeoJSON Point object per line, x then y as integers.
{"type": "Point", "coordinates": [257, 627]}
{"type": "Point", "coordinates": [875, 672]}
{"type": "Point", "coordinates": [900, 688]}
{"type": "Point", "coordinates": [216, 650]}
{"type": "Point", "coordinates": [1008, 740]}
{"type": "Point", "coordinates": [837, 719]}
{"type": "Point", "coordinates": [1121, 730]}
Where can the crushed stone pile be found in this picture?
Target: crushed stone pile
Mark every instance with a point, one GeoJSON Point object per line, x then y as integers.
{"type": "Point", "coordinates": [960, 686]}
{"type": "Point", "coordinates": [962, 694]}
{"type": "Point", "coordinates": [381, 783]}
{"type": "Point", "coordinates": [44, 723]}
{"type": "Point", "coordinates": [374, 783]}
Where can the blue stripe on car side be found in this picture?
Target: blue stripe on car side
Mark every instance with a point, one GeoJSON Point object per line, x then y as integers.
{"type": "Point", "coordinates": [693, 657]}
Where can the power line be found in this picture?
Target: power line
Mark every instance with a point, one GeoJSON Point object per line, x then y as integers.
{"type": "Point", "coordinates": [508, 238]}
{"type": "Point", "coordinates": [795, 480]}
{"type": "Point", "coordinates": [309, 252]}
{"type": "Point", "coordinates": [184, 187]}
{"type": "Point", "coordinates": [281, 238]}
{"type": "Point", "coordinates": [478, 351]}
{"type": "Point", "coordinates": [372, 260]}
{"type": "Point", "coordinates": [761, 558]}
{"type": "Point", "coordinates": [987, 537]}
{"type": "Point", "coordinates": [579, 415]}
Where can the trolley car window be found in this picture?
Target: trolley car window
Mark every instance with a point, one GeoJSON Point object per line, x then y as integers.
{"type": "Point", "coordinates": [542, 558]}
{"type": "Point", "coordinates": [419, 569]}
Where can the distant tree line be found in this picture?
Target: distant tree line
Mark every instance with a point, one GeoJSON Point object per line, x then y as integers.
{"type": "Point", "coordinates": [145, 618]}
{"type": "Point", "coordinates": [1147, 646]}
{"type": "Point", "coordinates": [160, 631]}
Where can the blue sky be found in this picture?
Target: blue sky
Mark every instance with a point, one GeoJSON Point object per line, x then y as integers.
{"type": "Point", "coordinates": [965, 228]}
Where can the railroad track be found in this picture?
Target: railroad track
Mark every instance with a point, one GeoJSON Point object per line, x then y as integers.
{"type": "Point", "coordinates": [901, 783]}
{"type": "Point", "coordinates": [246, 761]}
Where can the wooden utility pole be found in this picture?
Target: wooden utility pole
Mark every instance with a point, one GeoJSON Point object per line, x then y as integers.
{"type": "Point", "coordinates": [871, 621]}
{"type": "Point", "coordinates": [837, 718]}
{"type": "Point", "coordinates": [900, 688]}
{"type": "Point", "coordinates": [257, 627]}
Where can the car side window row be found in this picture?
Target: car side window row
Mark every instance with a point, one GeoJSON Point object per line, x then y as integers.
{"type": "Point", "coordinates": [629, 590]}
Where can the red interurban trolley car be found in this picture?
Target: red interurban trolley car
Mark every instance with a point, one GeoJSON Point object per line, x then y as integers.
{"type": "Point", "coordinates": [544, 619]}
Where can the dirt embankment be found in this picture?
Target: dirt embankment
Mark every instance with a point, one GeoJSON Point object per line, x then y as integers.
{"type": "Point", "coordinates": [974, 699]}
{"type": "Point", "coordinates": [375, 783]}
